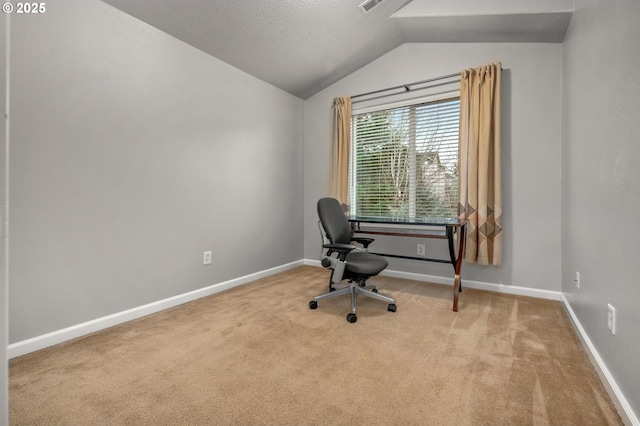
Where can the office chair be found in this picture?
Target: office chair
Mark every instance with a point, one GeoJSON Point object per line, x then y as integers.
{"type": "Point", "coordinates": [350, 262]}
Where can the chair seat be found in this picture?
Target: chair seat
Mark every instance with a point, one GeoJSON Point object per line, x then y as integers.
{"type": "Point", "coordinates": [365, 263]}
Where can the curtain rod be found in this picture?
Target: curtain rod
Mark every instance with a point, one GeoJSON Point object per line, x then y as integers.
{"type": "Point", "coordinates": [406, 87]}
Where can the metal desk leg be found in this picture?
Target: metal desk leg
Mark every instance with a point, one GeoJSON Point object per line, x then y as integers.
{"type": "Point", "coordinates": [452, 254]}
{"type": "Point", "coordinates": [457, 266]}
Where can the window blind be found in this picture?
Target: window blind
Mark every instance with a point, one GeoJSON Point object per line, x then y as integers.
{"type": "Point", "coordinates": [404, 161]}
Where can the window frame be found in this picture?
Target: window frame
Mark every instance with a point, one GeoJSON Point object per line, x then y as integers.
{"type": "Point", "coordinates": [396, 105]}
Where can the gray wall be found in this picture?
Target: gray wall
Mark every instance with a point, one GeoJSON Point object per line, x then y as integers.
{"type": "Point", "coordinates": [531, 136]}
{"type": "Point", "coordinates": [4, 284]}
{"type": "Point", "coordinates": [132, 153]}
{"type": "Point", "coordinates": [601, 180]}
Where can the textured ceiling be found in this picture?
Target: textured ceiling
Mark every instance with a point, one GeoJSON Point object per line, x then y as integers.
{"type": "Point", "coordinates": [303, 46]}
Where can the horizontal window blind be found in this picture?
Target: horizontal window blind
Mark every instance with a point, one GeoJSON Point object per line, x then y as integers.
{"type": "Point", "coordinates": [404, 161]}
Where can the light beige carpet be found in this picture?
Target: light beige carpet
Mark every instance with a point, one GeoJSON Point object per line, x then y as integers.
{"type": "Point", "coordinates": [258, 355]}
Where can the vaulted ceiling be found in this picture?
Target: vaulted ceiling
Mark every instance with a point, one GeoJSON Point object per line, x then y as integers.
{"type": "Point", "coordinates": [303, 46]}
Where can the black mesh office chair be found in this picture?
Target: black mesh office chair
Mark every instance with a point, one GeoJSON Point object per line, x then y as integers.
{"type": "Point", "coordinates": [350, 262]}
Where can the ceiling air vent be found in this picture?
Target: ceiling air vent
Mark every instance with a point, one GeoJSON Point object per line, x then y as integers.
{"type": "Point", "coordinates": [368, 5]}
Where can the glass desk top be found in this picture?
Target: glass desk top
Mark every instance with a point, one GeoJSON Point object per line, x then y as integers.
{"type": "Point", "coordinates": [426, 221]}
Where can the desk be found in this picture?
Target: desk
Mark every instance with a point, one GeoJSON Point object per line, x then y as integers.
{"type": "Point", "coordinates": [443, 229]}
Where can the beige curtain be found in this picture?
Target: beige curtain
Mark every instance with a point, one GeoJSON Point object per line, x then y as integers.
{"type": "Point", "coordinates": [340, 140]}
{"type": "Point", "coordinates": [479, 168]}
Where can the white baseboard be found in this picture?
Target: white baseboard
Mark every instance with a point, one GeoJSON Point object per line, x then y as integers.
{"type": "Point", "coordinates": [479, 285]}
{"type": "Point", "coordinates": [618, 398]}
{"type": "Point", "coordinates": [40, 342]}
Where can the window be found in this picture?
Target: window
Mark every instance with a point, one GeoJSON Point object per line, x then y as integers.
{"type": "Point", "coordinates": [404, 161]}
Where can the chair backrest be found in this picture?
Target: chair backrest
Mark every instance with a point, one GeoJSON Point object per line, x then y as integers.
{"type": "Point", "coordinates": [334, 221]}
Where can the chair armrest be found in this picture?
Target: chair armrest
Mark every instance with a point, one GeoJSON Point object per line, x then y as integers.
{"type": "Point", "coordinates": [363, 240]}
{"type": "Point", "coordinates": [341, 248]}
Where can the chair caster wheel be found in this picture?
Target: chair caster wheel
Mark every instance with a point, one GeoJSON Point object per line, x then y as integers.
{"type": "Point", "coordinates": [375, 290]}
{"type": "Point", "coordinates": [352, 318]}
{"type": "Point", "coordinates": [391, 307]}
{"type": "Point", "coordinates": [313, 304]}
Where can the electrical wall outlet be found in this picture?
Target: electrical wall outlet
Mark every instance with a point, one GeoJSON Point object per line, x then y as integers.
{"type": "Point", "coordinates": [577, 279]}
{"type": "Point", "coordinates": [611, 318]}
{"type": "Point", "coordinates": [206, 258]}
{"type": "Point", "coordinates": [421, 250]}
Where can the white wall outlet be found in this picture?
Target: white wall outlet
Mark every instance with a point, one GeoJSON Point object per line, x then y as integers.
{"type": "Point", "coordinates": [611, 318]}
{"type": "Point", "coordinates": [206, 258]}
{"type": "Point", "coordinates": [421, 250]}
{"type": "Point", "coordinates": [577, 280]}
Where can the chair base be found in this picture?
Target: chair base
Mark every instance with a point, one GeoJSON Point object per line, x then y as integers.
{"type": "Point", "coordinates": [354, 289]}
